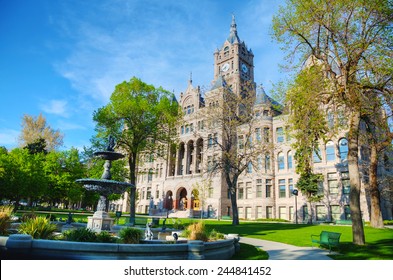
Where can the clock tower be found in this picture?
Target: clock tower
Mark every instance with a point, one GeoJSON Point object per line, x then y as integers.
{"type": "Point", "coordinates": [234, 62]}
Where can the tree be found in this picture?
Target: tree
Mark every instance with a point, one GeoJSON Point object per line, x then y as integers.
{"type": "Point", "coordinates": [36, 128]}
{"type": "Point", "coordinates": [307, 125]}
{"type": "Point", "coordinates": [22, 176]}
{"type": "Point", "coordinates": [379, 139]}
{"type": "Point", "coordinates": [351, 40]}
{"type": "Point", "coordinates": [236, 151]}
{"type": "Point", "coordinates": [141, 118]}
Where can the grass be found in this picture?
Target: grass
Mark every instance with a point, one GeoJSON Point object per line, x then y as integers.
{"type": "Point", "coordinates": [379, 242]}
{"type": "Point", "coordinates": [250, 252]}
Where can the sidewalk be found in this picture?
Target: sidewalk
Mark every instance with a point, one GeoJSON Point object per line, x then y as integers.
{"type": "Point", "coordinates": [281, 251]}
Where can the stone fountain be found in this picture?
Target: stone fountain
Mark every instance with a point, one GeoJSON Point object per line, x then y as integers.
{"type": "Point", "coordinates": [104, 187]}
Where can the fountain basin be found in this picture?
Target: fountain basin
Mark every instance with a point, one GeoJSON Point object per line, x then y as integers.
{"type": "Point", "coordinates": [108, 155]}
{"type": "Point", "coordinates": [105, 186]}
{"type": "Point", "coordinates": [22, 246]}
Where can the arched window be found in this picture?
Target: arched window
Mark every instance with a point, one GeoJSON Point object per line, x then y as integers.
{"type": "Point", "coordinates": [330, 153]}
{"type": "Point", "coordinates": [343, 148]}
{"type": "Point", "coordinates": [289, 159]}
{"type": "Point", "coordinates": [280, 161]}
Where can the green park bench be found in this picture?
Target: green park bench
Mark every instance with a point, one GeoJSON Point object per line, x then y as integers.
{"type": "Point", "coordinates": [327, 238]}
{"type": "Point", "coordinates": [343, 222]}
{"type": "Point", "coordinates": [226, 218]}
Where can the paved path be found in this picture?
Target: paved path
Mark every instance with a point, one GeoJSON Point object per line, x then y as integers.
{"type": "Point", "coordinates": [281, 251]}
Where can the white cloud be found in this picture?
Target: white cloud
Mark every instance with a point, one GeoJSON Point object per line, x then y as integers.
{"type": "Point", "coordinates": [55, 107]}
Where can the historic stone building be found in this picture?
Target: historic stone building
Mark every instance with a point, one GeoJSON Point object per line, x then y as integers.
{"type": "Point", "coordinates": [179, 184]}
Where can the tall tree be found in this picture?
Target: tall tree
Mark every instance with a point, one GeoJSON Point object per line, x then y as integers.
{"type": "Point", "coordinates": [308, 126]}
{"type": "Point", "coordinates": [142, 119]}
{"type": "Point", "coordinates": [352, 40]}
{"type": "Point", "coordinates": [238, 150]}
{"type": "Point", "coordinates": [36, 128]}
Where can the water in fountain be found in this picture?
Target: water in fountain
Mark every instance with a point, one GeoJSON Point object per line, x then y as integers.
{"type": "Point", "coordinates": [104, 187]}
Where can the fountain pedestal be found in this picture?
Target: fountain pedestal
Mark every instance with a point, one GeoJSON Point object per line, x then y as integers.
{"type": "Point", "coordinates": [100, 221]}
{"type": "Point", "coordinates": [105, 186]}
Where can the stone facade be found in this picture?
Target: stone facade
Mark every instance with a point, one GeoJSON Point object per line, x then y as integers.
{"type": "Point", "coordinates": [179, 185]}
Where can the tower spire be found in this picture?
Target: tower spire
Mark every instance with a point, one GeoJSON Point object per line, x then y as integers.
{"type": "Point", "coordinates": [233, 38]}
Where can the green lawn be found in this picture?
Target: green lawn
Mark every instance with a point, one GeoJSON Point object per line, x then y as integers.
{"type": "Point", "coordinates": [379, 242]}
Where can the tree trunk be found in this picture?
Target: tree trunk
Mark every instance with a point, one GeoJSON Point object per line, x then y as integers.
{"type": "Point", "coordinates": [235, 212]}
{"type": "Point", "coordinates": [376, 220]}
{"type": "Point", "coordinates": [132, 165]}
{"type": "Point", "coordinates": [353, 168]}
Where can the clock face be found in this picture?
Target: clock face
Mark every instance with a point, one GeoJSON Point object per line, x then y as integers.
{"type": "Point", "coordinates": [225, 67]}
{"type": "Point", "coordinates": [244, 68]}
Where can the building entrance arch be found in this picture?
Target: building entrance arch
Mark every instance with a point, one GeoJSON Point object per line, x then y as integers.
{"type": "Point", "coordinates": [181, 199]}
{"type": "Point", "coordinates": [168, 200]}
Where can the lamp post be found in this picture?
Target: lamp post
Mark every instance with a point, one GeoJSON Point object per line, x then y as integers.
{"type": "Point", "coordinates": [295, 193]}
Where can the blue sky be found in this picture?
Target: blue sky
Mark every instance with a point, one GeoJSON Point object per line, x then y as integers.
{"type": "Point", "coordinates": [64, 58]}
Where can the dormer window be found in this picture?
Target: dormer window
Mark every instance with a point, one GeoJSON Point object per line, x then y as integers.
{"type": "Point", "coordinates": [226, 51]}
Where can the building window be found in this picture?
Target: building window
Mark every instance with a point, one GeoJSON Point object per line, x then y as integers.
{"type": "Point", "coordinates": [290, 186]}
{"type": "Point", "coordinates": [281, 161]}
{"type": "Point", "coordinates": [240, 194]}
{"type": "Point", "coordinates": [316, 155]}
{"type": "Point", "coordinates": [210, 192]}
{"type": "Point", "coordinates": [330, 153]}
{"type": "Point", "coordinates": [281, 188]}
{"type": "Point", "coordinates": [210, 141]}
{"type": "Point", "coordinates": [215, 139]}
{"type": "Point", "coordinates": [266, 113]}
{"type": "Point", "coordinates": [321, 212]}
{"type": "Point", "coordinates": [291, 214]}
{"type": "Point", "coordinates": [345, 183]}
{"type": "Point", "coordinates": [240, 140]}
{"type": "Point", "coordinates": [266, 134]}
{"type": "Point", "coordinates": [267, 162]}
{"type": "Point", "coordinates": [269, 212]}
{"type": "Point", "coordinates": [305, 213]}
{"type": "Point", "coordinates": [148, 193]}
{"type": "Point", "coordinates": [241, 212]}
{"type": "Point", "coordinates": [347, 212]}
{"type": "Point", "coordinates": [258, 135]}
{"type": "Point", "coordinates": [248, 190]}
{"type": "Point", "coordinates": [259, 188]}
{"type": "Point", "coordinates": [249, 167]}
{"type": "Point", "coordinates": [268, 188]}
{"type": "Point", "coordinates": [335, 210]}
{"type": "Point", "coordinates": [150, 175]}
{"type": "Point", "coordinates": [289, 160]}
{"type": "Point", "coordinates": [248, 213]}
{"type": "Point", "coordinates": [280, 134]}
{"type": "Point", "coordinates": [320, 188]}
{"type": "Point", "coordinates": [282, 212]}
{"type": "Point", "coordinates": [259, 212]}
{"type": "Point", "coordinates": [332, 183]}
{"type": "Point", "coordinates": [343, 149]}
{"type": "Point", "coordinates": [259, 160]}
{"type": "Point", "coordinates": [182, 130]}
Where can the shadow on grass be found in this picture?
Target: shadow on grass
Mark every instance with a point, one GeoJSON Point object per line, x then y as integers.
{"type": "Point", "coordinates": [378, 250]}
{"type": "Point", "coordinates": [250, 252]}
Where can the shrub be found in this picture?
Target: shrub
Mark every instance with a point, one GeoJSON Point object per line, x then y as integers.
{"type": "Point", "coordinates": [38, 228]}
{"type": "Point", "coordinates": [28, 216]}
{"type": "Point", "coordinates": [80, 235]}
{"type": "Point", "coordinates": [130, 235]}
{"type": "Point", "coordinates": [105, 237]}
{"type": "Point", "coordinates": [215, 235]}
{"type": "Point", "coordinates": [197, 231]}
{"type": "Point", "coordinates": [5, 218]}
{"type": "Point", "coordinates": [177, 224]}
